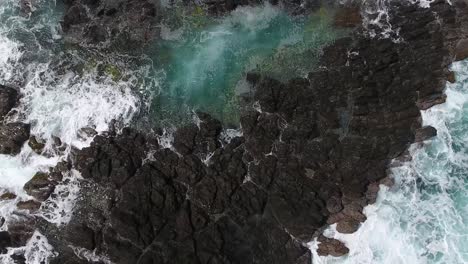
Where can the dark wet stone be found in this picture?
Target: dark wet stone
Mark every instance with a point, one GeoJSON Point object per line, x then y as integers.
{"type": "Point", "coordinates": [331, 247]}
{"type": "Point", "coordinates": [7, 196]}
{"type": "Point", "coordinates": [30, 205]}
{"type": "Point", "coordinates": [424, 133]}
{"type": "Point", "coordinates": [347, 17]}
{"type": "Point", "coordinates": [451, 77]}
{"type": "Point", "coordinates": [21, 231]}
{"type": "Point", "coordinates": [36, 145]}
{"type": "Point", "coordinates": [5, 241]}
{"type": "Point", "coordinates": [347, 226]}
{"type": "Point", "coordinates": [125, 25]}
{"type": "Point", "coordinates": [8, 99]}
{"type": "Point", "coordinates": [461, 50]}
{"type": "Point", "coordinates": [431, 100]}
{"type": "Point", "coordinates": [40, 186]}
{"type": "Point", "coordinates": [12, 137]}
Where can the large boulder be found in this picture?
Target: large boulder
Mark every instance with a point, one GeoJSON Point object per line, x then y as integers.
{"type": "Point", "coordinates": [40, 186]}
{"type": "Point", "coordinates": [12, 137]}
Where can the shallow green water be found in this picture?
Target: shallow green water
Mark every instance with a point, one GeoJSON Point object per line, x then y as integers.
{"type": "Point", "coordinates": [204, 61]}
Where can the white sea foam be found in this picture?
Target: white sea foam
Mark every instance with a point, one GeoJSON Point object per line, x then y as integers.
{"type": "Point", "coordinates": [37, 250]}
{"type": "Point", "coordinates": [376, 17]}
{"type": "Point", "coordinates": [61, 105]}
{"type": "Point", "coordinates": [424, 217]}
{"type": "Point", "coordinates": [59, 208]}
{"type": "Point", "coordinates": [90, 256]}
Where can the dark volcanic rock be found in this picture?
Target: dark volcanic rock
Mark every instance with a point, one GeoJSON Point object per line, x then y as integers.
{"type": "Point", "coordinates": [424, 133]}
{"type": "Point", "coordinates": [125, 25]}
{"type": "Point", "coordinates": [5, 241]}
{"type": "Point", "coordinates": [36, 145]}
{"type": "Point", "coordinates": [312, 155]}
{"type": "Point", "coordinates": [8, 99]}
{"type": "Point", "coordinates": [348, 17]}
{"type": "Point", "coordinates": [12, 137]}
{"type": "Point", "coordinates": [40, 186]}
{"type": "Point", "coordinates": [332, 247]}
{"type": "Point", "coordinates": [174, 209]}
{"type": "Point", "coordinates": [461, 50]}
{"type": "Point", "coordinates": [7, 196]}
{"type": "Point", "coordinates": [30, 205]}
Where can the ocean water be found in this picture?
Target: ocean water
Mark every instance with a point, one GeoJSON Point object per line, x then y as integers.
{"type": "Point", "coordinates": [424, 217]}
{"type": "Point", "coordinates": [204, 59]}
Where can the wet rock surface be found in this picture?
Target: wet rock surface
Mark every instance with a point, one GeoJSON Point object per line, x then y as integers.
{"type": "Point", "coordinates": [312, 154]}
{"type": "Point", "coordinates": [12, 137]}
{"type": "Point", "coordinates": [125, 25]}
{"type": "Point", "coordinates": [8, 99]}
{"type": "Point", "coordinates": [331, 247]}
{"type": "Point", "coordinates": [37, 145]}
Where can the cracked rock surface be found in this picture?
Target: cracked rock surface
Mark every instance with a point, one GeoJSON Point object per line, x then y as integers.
{"type": "Point", "coordinates": [312, 154]}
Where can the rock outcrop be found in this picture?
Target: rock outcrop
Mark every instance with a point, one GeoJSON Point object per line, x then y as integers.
{"type": "Point", "coordinates": [8, 99]}
{"type": "Point", "coordinates": [125, 25]}
{"type": "Point", "coordinates": [14, 134]}
{"type": "Point", "coordinates": [12, 137]}
{"type": "Point", "coordinates": [312, 153]}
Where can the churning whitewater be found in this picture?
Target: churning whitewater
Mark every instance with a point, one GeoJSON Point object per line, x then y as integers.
{"type": "Point", "coordinates": [422, 219]}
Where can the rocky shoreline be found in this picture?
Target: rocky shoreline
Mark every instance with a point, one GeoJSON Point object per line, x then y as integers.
{"type": "Point", "coordinates": [311, 153]}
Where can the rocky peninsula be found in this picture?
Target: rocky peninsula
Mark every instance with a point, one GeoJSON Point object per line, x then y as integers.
{"type": "Point", "coordinates": [308, 153]}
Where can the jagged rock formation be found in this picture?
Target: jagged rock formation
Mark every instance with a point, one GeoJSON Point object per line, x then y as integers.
{"type": "Point", "coordinates": [119, 24]}
{"type": "Point", "coordinates": [312, 153]}
{"type": "Point", "coordinates": [8, 99]}
{"type": "Point", "coordinates": [12, 135]}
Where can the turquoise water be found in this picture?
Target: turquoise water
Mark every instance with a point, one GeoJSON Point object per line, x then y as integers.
{"type": "Point", "coordinates": [424, 217]}
{"type": "Point", "coordinates": [205, 60]}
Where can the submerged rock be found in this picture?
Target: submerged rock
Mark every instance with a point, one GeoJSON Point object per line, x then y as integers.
{"type": "Point", "coordinates": [12, 137]}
